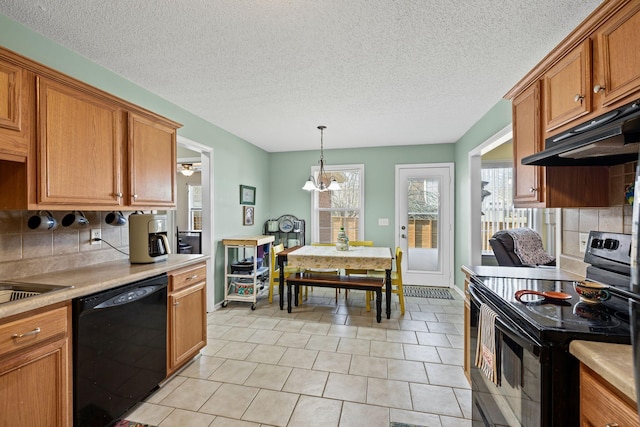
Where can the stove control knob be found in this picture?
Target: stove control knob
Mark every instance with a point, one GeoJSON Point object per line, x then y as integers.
{"type": "Point", "coordinates": [597, 243]}
{"type": "Point", "coordinates": [611, 244]}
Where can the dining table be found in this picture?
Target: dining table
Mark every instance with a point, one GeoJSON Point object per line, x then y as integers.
{"type": "Point", "coordinates": [329, 257]}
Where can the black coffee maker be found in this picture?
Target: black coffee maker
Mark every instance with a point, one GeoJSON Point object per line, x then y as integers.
{"type": "Point", "coordinates": [148, 240]}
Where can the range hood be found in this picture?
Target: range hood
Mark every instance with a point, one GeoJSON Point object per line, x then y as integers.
{"type": "Point", "coordinates": [610, 139]}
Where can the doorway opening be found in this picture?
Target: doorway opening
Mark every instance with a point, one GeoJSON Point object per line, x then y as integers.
{"type": "Point", "coordinates": [187, 212]}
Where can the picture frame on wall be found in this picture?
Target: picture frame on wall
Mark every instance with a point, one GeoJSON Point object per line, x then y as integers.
{"type": "Point", "coordinates": [247, 195]}
{"type": "Point", "coordinates": [248, 215]}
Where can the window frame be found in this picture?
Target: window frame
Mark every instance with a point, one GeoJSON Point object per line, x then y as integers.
{"type": "Point", "coordinates": [315, 170]}
{"type": "Point", "coordinates": [192, 206]}
{"type": "Point", "coordinates": [528, 212]}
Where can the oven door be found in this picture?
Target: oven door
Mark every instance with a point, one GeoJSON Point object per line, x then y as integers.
{"type": "Point", "coordinates": [516, 400]}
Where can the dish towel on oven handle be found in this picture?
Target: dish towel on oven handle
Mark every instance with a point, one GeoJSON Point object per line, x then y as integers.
{"type": "Point", "coordinates": [486, 351]}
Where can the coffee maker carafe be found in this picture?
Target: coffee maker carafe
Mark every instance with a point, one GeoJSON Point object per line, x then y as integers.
{"type": "Point", "coordinates": [148, 240]}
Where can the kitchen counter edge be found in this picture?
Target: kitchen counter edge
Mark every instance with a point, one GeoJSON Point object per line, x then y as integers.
{"type": "Point", "coordinates": [91, 279]}
{"type": "Point", "coordinates": [613, 362]}
{"type": "Point", "coordinates": [539, 273]}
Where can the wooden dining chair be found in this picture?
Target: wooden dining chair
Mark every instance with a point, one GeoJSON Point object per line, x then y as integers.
{"type": "Point", "coordinates": [396, 281]}
{"type": "Point", "coordinates": [357, 271]}
{"type": "Point", "coordinates": [324, 270]}
{"type": "Point", "coordinates": [274, 270]}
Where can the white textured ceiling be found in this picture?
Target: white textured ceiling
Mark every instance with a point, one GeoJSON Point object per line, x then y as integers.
{"type": "Point", "coordinates": [375, 72]}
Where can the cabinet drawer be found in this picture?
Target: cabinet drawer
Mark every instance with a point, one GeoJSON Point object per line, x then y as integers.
{"type": "Point", "coordinates": [600, 405]}
{"type": "Point", "coordinates": [34, 330]}
{"type": "Point", "coordinates": [187, 276]}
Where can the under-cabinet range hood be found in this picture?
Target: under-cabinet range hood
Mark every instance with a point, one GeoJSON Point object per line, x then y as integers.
{"type": "Point", "coordinates": [610, 139]}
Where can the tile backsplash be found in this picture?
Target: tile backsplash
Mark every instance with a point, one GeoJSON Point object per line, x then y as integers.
{"type": "Point", "coordinates": [615, 219]}
{"type": "Point", "coordinates": [26, 252]}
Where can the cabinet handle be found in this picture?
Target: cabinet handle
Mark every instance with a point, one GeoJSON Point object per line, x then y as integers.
{"type": "Point", "coordinates": [26, 334]}
{"type": "Point", "coordinates": [195, 276]}
{"type": "Point", "coordinates": [135, 196]}
{"type": "Point", "coordinates": [177, 303]}
{"type": "Point", "coordinates": [578, 97]}
{"type": "Point", "coordinates": [598, 88]}
{"type": "Point", "coordinates": [532, 189]}
{"type": "Point", "coordinates": [612, 425]}
{"type": "Point", "coordinates": [118, 194]}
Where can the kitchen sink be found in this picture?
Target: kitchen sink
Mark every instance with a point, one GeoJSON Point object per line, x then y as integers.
{"type": "Point", "coordinates": [13, 291]}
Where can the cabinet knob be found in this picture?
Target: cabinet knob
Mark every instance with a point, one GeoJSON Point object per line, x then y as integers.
{"type": "Point", "coordinates": [578, 97]}
{"type": "Point", "coordinates": [612, 425]}
{"type": "Point", "coordinates": [135, 196]}
{"type": "Point", "coordinates": [598, 88]}
{"type": "Point", "coordinates": [532, 189]}
{"type": "Point", "coordinates": [118, 194]}
{"type": "Point", "coordinates": [177, 303]}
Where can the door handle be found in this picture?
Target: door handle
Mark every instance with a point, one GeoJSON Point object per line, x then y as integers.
{"type": "Point", "coordinates": [403, 236]}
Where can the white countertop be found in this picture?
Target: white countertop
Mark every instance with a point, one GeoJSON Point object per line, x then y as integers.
{"type": "Point", "coordinates": [94, 278]}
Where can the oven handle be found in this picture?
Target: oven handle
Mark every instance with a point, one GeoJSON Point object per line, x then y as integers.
{"type": "Point", "coordinates": [515, 334]}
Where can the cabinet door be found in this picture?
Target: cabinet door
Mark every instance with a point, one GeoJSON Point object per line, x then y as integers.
{"type": "Point", "coordinates": [16, 105]}
{"type": "Point", "coordinates": [567, 88]}
{"type": "Point", "coordinates": [80, 148]}
{"type": "Point", "coordinates": [35, 387]}
{"type": "Point", "coordinates": [600, 405]}
{"type": "Point", "coordinates": [188, 326]}
{"type": "Point", "coordinates": [620, 62]}
{"type": "Point", "coordinates": [152, 162]}
{"type": "Point", "coordinates": [528, 180]}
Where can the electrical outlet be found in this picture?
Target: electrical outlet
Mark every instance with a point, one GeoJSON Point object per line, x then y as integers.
{"type": "Point", "coordinates": [584, 238]}
{"type": "Point", "coordinates": [96, 233]}
{"type": "Point", "coordinates": [383, 221]}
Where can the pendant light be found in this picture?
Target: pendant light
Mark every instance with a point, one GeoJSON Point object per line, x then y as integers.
{"type": "Point", "coordinates": [187, 169]}
{"type": "Point", "coordinates": [324, 183]}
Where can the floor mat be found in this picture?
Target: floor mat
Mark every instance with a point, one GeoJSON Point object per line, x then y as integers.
{"type": "Point", "coordinates": [125, 423]}
{"type": "Point", "coordinates": [426, 292]}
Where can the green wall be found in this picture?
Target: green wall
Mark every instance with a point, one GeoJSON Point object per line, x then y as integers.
{"type": "Point", "coordinates": [235, 161]}
{"type": "Point", "coordinates": [278, 177]}
{"type": "Point", "coordinates": [495, 120]}
{"type": "Point", "coordinates": [290, 170]}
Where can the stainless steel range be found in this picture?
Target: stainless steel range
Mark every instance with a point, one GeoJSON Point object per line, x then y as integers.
{"type": "Point", "coordinates": [537, 377]}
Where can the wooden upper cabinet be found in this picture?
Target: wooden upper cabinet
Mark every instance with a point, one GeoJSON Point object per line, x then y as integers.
{"type": "Point", "coordinates": [80, 148]}
{"type": "Point", "coordinates": [16, 111]}
{"type": "Point", "coordinates": [152, 162]}
{"type": "Point", "coordinates": [567, 88]}
{"type": "Point", "coordinates": [528, 180]}
{"type": "Point", "coordinates": [619, 57]}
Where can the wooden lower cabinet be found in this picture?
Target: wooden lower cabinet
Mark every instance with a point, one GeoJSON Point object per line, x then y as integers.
{"type": "Point", "coordinates": [187, 311]}
{"type": "Point", "coordinates": [35, 370]}
{"type": "Point", "coordinates": [602, 405]}
{"type": "Point", "coordinates": [467, 325]}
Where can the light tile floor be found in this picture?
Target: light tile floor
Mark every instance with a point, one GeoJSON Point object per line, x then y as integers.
{"type": "Point", "coordinates": [325, 364]}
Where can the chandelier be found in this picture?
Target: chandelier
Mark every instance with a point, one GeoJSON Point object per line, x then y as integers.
{"type": "Point", "coordinates": [324, 183]}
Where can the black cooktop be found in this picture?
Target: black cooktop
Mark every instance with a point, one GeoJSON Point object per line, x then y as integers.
{"type": "Point", "coordinates": [557, 322]}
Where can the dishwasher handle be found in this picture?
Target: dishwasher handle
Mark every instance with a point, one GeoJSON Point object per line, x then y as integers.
{"type": "Point", "coordinates": [129, 296]}
{"type": "Point", "coordinates": [119, 295]}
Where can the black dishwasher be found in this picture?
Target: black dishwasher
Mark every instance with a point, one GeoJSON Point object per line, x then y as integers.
{"type": "Point", "coordinates": [119, 349]}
